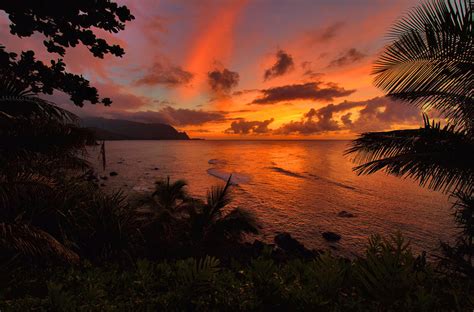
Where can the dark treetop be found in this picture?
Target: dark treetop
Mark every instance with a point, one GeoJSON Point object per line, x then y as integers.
{"type": "Point", "coordinates": [64, 24]}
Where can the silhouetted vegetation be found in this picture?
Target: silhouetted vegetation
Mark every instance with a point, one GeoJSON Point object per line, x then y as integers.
{"type": "Point", "coordinates": [387, 278]}
{"type": "Point", "coordinates": [67, 245]}
{"type": "Point", "coordinates": [63, 24]}
{"type": "Point", "coordinates": [174, 222]}
{"type": "Point", "coordinates": [430, 64]}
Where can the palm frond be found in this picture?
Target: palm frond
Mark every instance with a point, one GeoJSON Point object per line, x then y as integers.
{"type": "Point", "coordinates": [170, 196]}
{"type": "Point", "coordinates": [10, 85]}
{"type": "Point", "coordinates": [33, 107]}
{"type": "Point", "coordinates": [198, 275]}
{"type": "Point", "coordinates": [437, 157]}
{"type": "Point", "coordinates": [385, 262]}
{"type": "Point", "coordinates": [33, 243]}
{"type": "Point", "coordinates": [217, 198]}
{"type": "Point", "coordinates": [106, 225]}
{"type": "Point", "coordinates": [22, 188]}
{"type": "Point", "coordinates": [17, 100]}
{"type": "Point", "coordinates": [429, 61]}
{"type": "Point", "coordinates": [464, 213]}
{"type": "Point", "coordinates": [237, 222]}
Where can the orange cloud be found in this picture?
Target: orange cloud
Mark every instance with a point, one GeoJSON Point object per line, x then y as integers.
{"type": "Point", "coordinates": [214, 41]}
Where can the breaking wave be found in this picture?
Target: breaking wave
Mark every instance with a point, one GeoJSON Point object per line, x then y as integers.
{"type": "Point", "coordinates": [215, 161]}
{"type": "Point", "coordinates": [316, 177]}
{"type": "Point", "coordinates": [332, 182]}
{"type": "Point", "coordinates": [237, 178]}
{"type": "Point", "coordinates": [287, 172]}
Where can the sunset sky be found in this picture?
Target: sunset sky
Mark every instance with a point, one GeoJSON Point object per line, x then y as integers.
{"type": "Point", "coordinates": [237, 69]}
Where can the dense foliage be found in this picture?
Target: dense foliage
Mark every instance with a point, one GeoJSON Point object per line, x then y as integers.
{"type": "Point", "coordinates": [387, 278]}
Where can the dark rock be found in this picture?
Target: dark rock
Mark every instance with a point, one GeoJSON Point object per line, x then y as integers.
{"type": "Point", "coordinates": [104, 177]}
{"type": "Point", "coordinates": [156, 168]}
{"type": "Point", "coordinates": [258, 245]}
{"type": "Point", "coordinates": [345, 214]}
{"type": "Point", "coordinates": [113, 173]}
{"type": "Point", "coordinates": [120, 162]}
{"type": "Point", "coordinates": [102, 184]}
{"type": "Point", "coordinates": [331, 236]}
{"type": "Point", "coordinates": [291, 246]}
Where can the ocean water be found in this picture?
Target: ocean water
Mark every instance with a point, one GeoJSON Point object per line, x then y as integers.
{"type": "Point", "coordinates": [293, 186]}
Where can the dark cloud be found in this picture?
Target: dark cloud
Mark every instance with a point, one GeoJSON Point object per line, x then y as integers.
{"type": "Point", "coordinates": [346, 119]}
{"type": "Point", "coordinates": [325, 34]}
{"type": "Point", "coordinates": [349, 57]}
{"type": "Point", "coordinates": [243, 111]}
{"type": "Point", "coordinates": [380, 113]}
{"type": "Point", "coordinates": [330, 31]}
{"type": "Point", "coordinates": [121, 96]}
{"type": "Point", "coordinates": [243, 126]}
{"type": "Point", "coordinates": [283, 65]}
{"type": "Point", "coordinates": [242, 92]}
{"type": "Point", "coordinates": [312, 74]}
{"type": "Point", "coordinates": [315, 121]}
{"type": "Point", "coordinates": [163, 102]}
{"type": "Point", "coordinates": [374, 115]}
{"type": "Point", "coordinates": [307, 91]}
{"type": "Point", "coordinates": [165, 74]}
{"type": "Point", "coordinates": [223, 81]}
{"type": "Point", "coordinates": [309, 72]}
{"type": "Point", "coordinates": [174, 117]}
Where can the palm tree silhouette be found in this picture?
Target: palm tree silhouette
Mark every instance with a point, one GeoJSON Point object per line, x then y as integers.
{"type": "Point", "coordinates": [170, 196]}
{"type": "Point", "coordinates": [170, 217]}
{"type": "Point", "coordinates": [39, 141]}
{"type": "Point", "coordinates": [429, 63]}
{"type": "Point", "coordinates": [212, 221]}
{"type": "Point", "coordinates": [161, 213]}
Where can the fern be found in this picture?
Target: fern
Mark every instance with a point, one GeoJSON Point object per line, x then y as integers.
{"type": "Point", "coordinates": [32, 243]}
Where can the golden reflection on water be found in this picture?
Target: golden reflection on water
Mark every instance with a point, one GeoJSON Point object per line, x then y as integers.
{"type": "Point", "coordinates": [293, 186]}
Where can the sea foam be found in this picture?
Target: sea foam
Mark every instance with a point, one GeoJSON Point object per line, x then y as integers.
{"type": "Point", "coordinates": [237, 178]}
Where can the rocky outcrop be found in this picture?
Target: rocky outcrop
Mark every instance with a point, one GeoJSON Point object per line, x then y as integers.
{"type": "Point", "coordinates": [345, 214]}
{"type": "Point", "coordinates": [291, 246]}
{"type": "Point", "coordinates": [331, 236]}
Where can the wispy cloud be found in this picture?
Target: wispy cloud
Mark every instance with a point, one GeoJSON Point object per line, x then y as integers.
{"type": "Point", "coordinates": [350, 56]}
{"type": "Point", "coordinates": [173, 116]}
{"type": "Point", "coordinates": [324, 34]}
{"type": "Point", "coordinates": [165, 74]}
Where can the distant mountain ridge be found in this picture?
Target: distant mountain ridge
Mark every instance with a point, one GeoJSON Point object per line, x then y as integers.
{"type": "Point", "coordinates": [119, 129]}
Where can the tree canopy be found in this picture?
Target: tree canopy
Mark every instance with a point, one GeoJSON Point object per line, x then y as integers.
{"type": "Point", "coordinates": [63, 24]}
